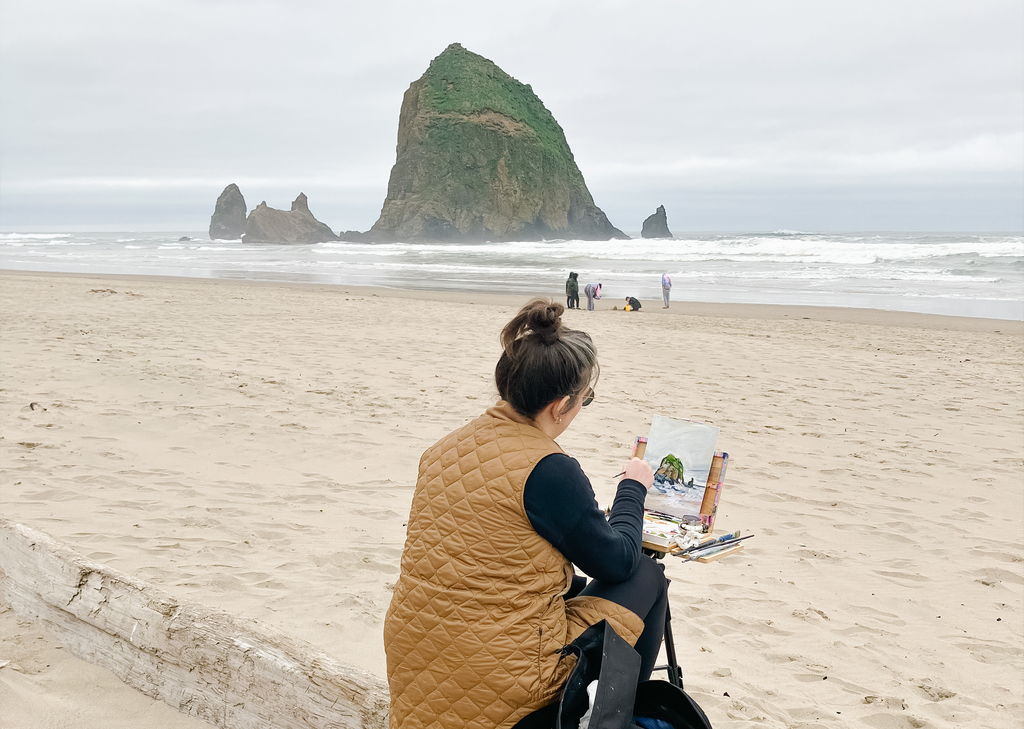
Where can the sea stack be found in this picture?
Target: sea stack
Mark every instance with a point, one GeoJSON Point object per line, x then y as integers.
{"type": "Point", "coordinates": [228, 221]}
{"type": "Point", "coordinates": [481, 158]}
{"type": "Point", "coordinates": [267, 225]}
{"type": "Point", "coordinates": [656, 226]}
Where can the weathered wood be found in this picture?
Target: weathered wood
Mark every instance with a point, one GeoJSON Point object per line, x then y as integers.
{"type": "Point", "coordinates": [203, 662]}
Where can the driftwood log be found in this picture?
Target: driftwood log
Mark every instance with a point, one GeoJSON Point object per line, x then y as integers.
{"type": "Point", "coordinates": [202, 662]}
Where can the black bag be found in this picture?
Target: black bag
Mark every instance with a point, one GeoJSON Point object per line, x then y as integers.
{"type": "Point", "coordinates": [603, 656]}
{"type": "Point", "coordinates": [661, 700]}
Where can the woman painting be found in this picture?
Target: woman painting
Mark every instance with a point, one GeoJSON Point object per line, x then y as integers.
{"type": "Point", "coordinates": [487, 595]}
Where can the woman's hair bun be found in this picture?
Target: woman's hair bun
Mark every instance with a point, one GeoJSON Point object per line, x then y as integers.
{"type": "Point", "coordinates": [539, 317]}
{"type": "Point", "coordinates": [545, 319]}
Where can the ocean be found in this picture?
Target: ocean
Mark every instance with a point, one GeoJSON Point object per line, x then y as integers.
{"type": "Point", "coordinates": [964, 274]}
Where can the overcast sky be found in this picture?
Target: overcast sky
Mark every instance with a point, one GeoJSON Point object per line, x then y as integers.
{"type": "Point", "coordinates": [734, 114]}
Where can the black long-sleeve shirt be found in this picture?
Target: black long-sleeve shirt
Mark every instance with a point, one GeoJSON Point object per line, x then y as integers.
{"type": "Point", "coordinates": [561, 506]}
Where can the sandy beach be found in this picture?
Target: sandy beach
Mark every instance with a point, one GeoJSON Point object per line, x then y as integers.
{"type": "Point", "coordinates": [253, 447]}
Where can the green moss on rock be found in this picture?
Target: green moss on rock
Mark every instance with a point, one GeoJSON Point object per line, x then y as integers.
{"type": "Point", "coordinates": [480, 157]}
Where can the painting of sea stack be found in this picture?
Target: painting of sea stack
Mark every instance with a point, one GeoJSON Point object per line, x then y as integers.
{"type": "Point", "coordinates": [680, 453]}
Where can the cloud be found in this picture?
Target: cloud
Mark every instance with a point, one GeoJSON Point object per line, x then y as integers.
{"type": "Point", "coordinates": [115, 96]}
{"type": "Point", "coordinates": [985, 154]}
{"type": "Point", "coordinates": [75, 184]}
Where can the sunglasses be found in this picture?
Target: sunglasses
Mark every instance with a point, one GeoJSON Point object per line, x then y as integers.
{"type": "Point", "coordinates": [589, 397]}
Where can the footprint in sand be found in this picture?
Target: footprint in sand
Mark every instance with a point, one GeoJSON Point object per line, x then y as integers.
{"type": "Point", "coordinates": [988, 651]}
{"type": "Point", "coordinates": [935, 693]}
{"type": "Point", "coordinates": [903, 576]}
{"type": "Point", "coordinates": [53, 495]}
{"type": "Point", "coordinates": [992, 576]}
{"type": "Point", "coordinates": [889, 721]}
{"type": "Point", "coordinates": [888, 702]}
{"type": "Point", "coordinates": [381, 514]}
{"type": "Point", "coordinates": [809, 614]}
{"type": "Point", "coordinates": [860, 630]}
{"type": "Point", "coordinates": [883, 617]}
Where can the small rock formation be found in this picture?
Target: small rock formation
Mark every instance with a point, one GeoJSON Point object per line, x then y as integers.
{"type": "Point", "coordinates": [228, 221]}
{"type": "Point", "coordinates": [481, 158]}
{"type": "Point", "coordinates": [267, 225]}
{"type": "Point", "coordinates": [656, 226]}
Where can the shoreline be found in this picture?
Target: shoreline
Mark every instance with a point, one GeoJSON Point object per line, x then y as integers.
{"type": "Point", "coordinates": [766, 312]}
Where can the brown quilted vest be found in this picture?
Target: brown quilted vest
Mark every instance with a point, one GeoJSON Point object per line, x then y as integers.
{"type": "Point", "coordinates": [477, 618]}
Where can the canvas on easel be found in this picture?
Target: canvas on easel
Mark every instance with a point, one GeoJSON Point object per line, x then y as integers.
{"type": "Point", "coordinates": [688, 472]}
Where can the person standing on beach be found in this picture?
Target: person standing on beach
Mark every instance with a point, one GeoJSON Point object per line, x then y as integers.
{"type": "Point", "coordinates": [593, 291]}
{"type": "Point", "coordinates": [666, 288]}
{"type": "Point", "coordinates": [572, 291]}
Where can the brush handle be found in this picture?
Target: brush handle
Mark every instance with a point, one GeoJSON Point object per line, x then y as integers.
{"type": "Point", "coordinates": [713, 542]}
{"type": "Point", "coordinates": [705, 549]}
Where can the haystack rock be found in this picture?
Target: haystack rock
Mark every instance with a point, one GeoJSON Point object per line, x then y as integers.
{"type": "Point", "coordinates": [228, 221]}
{"type": "Point", "coordinates": [481, 158]}
{"type": "Point", "coordinates": [656, 226]}
{"type": "Point", "coordinates": [267, 225]}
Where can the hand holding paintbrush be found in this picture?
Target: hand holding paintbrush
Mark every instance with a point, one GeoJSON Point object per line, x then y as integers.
{"type": "Point", "coordinates": [639, 470]}
{"type": "Point", "coordinates": [639, 448]}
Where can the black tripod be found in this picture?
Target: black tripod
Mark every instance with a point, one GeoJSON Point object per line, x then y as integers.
{"type": "Point", "coordinates": [675, 673]}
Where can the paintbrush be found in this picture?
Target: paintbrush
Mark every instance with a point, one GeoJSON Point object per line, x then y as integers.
{"type": "Point", "coordinates": [713, 542]}
{"type": "Point", "coordinates": [705, 549]}
{"type": "Point", "coordinates": [639, 448]}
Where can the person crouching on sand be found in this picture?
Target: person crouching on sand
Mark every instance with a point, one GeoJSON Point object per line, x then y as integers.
{"type": "Point", "coordinates": [487, 595]}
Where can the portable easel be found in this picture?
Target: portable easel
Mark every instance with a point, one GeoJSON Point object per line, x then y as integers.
{"type": "Point", "coordinates": [708, 510]}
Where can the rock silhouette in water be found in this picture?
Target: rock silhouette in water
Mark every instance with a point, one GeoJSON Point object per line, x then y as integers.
{"type": "Point", "coordinates": [267, 225]}
{"type": "Point", "coordinates": [481, 158]}
{"type": "Point", "coordinates": [656, 226]}
{"type": "Point", "coordinates": [228, 221]}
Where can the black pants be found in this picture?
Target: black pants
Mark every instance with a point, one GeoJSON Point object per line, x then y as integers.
{"type": "Point", "coordinates": [646, 594]}
{"type": "Point", "coordinates": [572, 302]}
